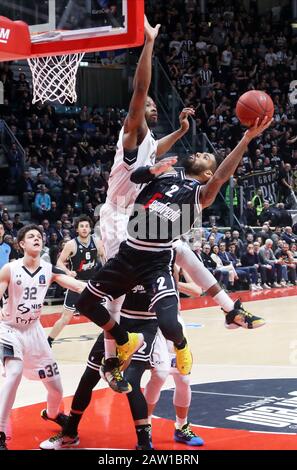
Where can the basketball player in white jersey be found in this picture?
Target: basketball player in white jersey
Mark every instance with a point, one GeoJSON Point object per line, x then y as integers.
{"type": "Point", "coordinates": [136, 147]}
{"type": "Point", "coordinates": [84, 254]}
{"type": "Point", "coordinates": [24, 349]}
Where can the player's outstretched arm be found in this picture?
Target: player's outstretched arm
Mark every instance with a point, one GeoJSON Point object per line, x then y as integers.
{"type": "Point", "coordinates": [145, 174]}
{"type": "Point", "coordinates": [227, 168]}
{"type": "Point", "coordinates": [69, 282]}
{"type": "Point", "coordinates": [167, 142]}
{"type": "Point", "coordinates": [135, 126]}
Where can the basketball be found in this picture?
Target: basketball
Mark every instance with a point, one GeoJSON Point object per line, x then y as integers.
{"type": "Point", "coordinates": [252, 105]}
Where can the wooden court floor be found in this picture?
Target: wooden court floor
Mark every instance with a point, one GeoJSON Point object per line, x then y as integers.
{"type": "Point", "coordinates": [244, 382]}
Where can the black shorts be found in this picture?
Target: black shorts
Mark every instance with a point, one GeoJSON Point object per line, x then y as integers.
{"type": "Point", "coordinates": [149, 330]}
{"type": "Point", "coordinates": [97, 353]}
{"type": "Point", "coordinates": [70, 299]}
{"type": "Point", "coordinates": [132, 267]}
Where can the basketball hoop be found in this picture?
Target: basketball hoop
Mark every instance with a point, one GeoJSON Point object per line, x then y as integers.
{"type": "Point", "coordinates": [54, 77]}
{"type": "Point", "coordinates": [54, 43]}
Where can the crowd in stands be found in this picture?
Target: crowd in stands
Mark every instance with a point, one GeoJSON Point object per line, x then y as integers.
{"type": "Point", "coordinates": [255, 260]}
{"type": "Point", "coordinates": [213, 58]}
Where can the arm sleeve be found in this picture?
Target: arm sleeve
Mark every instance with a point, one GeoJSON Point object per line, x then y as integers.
{"type": "Point", "coordinates": [142, 175]}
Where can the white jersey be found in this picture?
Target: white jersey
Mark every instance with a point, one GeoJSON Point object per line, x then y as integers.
{"type": "Point", "coordinates": [121, 191]}
{"type": "Point", "coordinates": [26, 293]}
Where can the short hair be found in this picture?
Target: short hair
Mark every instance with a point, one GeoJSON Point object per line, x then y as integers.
{"type": "Point", "coordinates": [83, 218]}
{"type": "Point", "coordinates": [22, 232]}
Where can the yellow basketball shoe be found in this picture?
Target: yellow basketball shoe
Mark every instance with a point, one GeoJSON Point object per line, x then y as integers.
{"type": "Point", "coordinates": [184, 360]}
{"type": "Point", "coordinates": [135, 340]}
{"type": "Point", "coordinates": [239, 317]}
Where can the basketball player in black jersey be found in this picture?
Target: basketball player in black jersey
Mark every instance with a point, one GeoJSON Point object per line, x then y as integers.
{"type": "Point", "coordinates": [136, 317]}
{"type": "Point", "coordinates": [83, 254]}
{"type": "Point", "coordinates": [165, 208]}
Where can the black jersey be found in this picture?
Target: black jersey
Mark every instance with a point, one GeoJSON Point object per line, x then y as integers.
{"type": "Point", "coordinates": [136, 305]}
{"type": "Point", "coordinates": [85, 259]}
{"type": "Point", "coordinates": [165, 209]}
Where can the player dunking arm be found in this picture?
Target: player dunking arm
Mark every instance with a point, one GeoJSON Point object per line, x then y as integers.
{"type": "Point", "coordinates": [134, 317]}
{"type": "Point", "coordinates": [136, 147]}
{"type": "Point", "coordinates": [165, 208]}
{"type": "Point", "coordinates": [24, 349]}
{"type": "Point", "coordinates": [84, 253]}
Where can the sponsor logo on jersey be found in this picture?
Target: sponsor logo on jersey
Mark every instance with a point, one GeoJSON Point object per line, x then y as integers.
{"type": "Point", "coordinates": [42, 280]}
{"type": "Point", "coordinates": [138, 289]}
{"type": "Point", "coordinates": [165, 211]}
{"type": "Point", "coordinates": [84, 266]}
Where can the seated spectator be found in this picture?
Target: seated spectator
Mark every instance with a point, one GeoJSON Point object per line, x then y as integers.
{"type": "Point", "coordinates": [288, 235]}
{"type": "Point", "coordinates": [42, 203]}
{"type": "Point", "coordinates": [224, 267]}
{"type": "Point", "coordinates": [273, 267]}
{"type": "Point", "coordinates": [17, 224]}
{"type": "Point", "coordinates": [222, 276]}
{"type": "Point", "coordinates": [248, 273]}
{"type": "Point", "coordinates": [250, 259]}
{"type": "Point", "coordinates": [286, 257]}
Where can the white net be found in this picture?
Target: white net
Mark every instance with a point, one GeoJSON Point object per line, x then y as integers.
{"type": "Point", "coordinates": [54, 77]}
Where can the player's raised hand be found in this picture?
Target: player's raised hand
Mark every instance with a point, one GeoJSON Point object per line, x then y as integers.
{"type": "Point", "coordinates": [258, 128]}
{"type": "Point", "coordinates": [184, 118]}
{"type": "Point", "coordinates": [163, 165]}
{"type": "Point", "coordinates": [150, 32]}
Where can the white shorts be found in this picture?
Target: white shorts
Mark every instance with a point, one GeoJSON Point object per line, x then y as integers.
{"type": "Point", "coordinates": [113, 227]}
{"type": "Point", "coordinates": [31, 347]}
{"type": "Point", "coordinates": [164, 357]}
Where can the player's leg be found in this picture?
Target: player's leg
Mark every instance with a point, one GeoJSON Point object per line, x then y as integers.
{"type": "Point", "coordinates": [40, 364]}
{"type": "Point", "coordinates": [236, 315]}
{"type": "Point", "coordinates": [166, 308]}
{"type": "Point", "coordinates": [138, 405]}
{"type": "Point", "coordinates": [54, 400]}
{"type": "Point", "coordinates": [114, 309]}
{"type": "Point", "coordinates": [11, 354]}
{"type": "Point", "coordinates": [112, 281]}
{"type": "Point", "coordinates": [182, 400]}
{"type": "Point", "coordinates": [81, 400]}
{"type": "Point", "coordinates": [113, 228]}
{"type": "Point", "coordinates": [13, 373]}
{"type": "Point", "coordinates": [91, 305]}
{"type": "Point", "coordinates": [67, 313]}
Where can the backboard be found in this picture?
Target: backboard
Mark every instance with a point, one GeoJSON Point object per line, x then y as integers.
{"type": "Point", "coordinates": [66, 26]}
